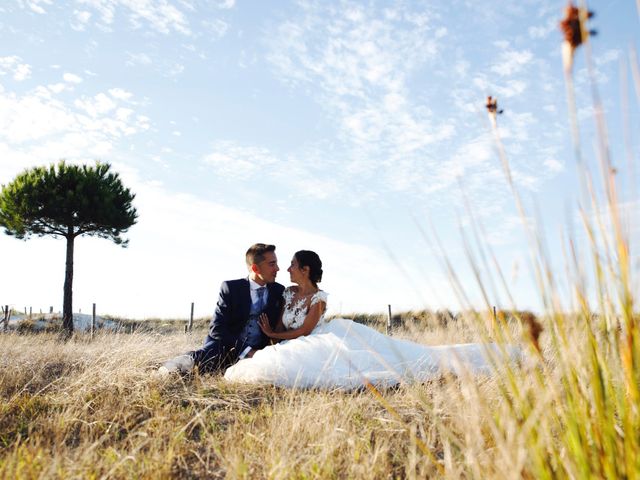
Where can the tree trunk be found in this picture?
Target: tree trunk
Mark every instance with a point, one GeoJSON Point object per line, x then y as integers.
{"type": "Point", "coordinates": [67, 307]}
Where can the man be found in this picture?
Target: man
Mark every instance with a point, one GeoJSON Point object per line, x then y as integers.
{"type": "Point", "coordinates": [234, 331]}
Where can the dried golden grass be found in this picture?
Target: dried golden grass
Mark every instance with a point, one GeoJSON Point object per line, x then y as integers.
{"type": "Point", "coordinates": [96, 409]}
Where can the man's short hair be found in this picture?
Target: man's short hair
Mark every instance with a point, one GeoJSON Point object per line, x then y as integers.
{"type": "Point", "coordinates": [256, 253]}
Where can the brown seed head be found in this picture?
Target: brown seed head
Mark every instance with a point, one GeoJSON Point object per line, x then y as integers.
{"type": "Point", "coordinates": [534, 328]}
{"type": "Point", "coordinates": [574, 29]}
{"type": "Point", "coordinates": [492, 106]}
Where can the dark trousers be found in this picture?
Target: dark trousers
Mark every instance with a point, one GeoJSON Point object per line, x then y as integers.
{"type": "Point", "coordinates": [214, 356]}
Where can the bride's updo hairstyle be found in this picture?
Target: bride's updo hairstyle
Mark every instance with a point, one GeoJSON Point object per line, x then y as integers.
{"type": "Point", "coordinates": [307, 258]}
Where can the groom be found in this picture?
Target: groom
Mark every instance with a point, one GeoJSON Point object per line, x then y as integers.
{"type": "Point", "coordinates": [234, 331]}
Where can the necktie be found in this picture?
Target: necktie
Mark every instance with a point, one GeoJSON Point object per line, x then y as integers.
{"type": "Point", "coordinates": [262, 293]}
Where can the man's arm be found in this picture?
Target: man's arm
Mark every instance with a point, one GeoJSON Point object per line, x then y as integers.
{"type": "Point", "coordinates": [275, 313]}
{"type": "Point", "coordinates": [220, 327]}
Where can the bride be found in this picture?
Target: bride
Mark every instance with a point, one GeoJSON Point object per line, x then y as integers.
{"type": "Point", "coordinates": [315, 353]}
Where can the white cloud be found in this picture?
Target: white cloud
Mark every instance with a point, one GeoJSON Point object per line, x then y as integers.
{"type": "Point", "coordinates": [35, 5]}
{"type": "Point", "coordinates": [57, 87]}
{"type": "Point", "coordinates": [143, 122]}
{"type": "Point", "coordinates": [360, 62]}
{"type": "Point", "coordinates": [81, 19]}
{"type": "Point", "coordinates": [511, 61]}
{"type": "Point", "coordinates": [123, 114]}
{"type": "Point", "coordinates": [349, 50]}
{"type": "Point", "coordinates": [607, 57]}
{"type": "Point", "coordinates": [538, 32]}
{"type": "Point", "coordinates": [360, 65]}
{"type": "Point", "coordinates": [72, 78]}
{"type": "Point", "coordinates": [303, 173]}
{"type": "Point", "coordinates": [120, 94]}
{"type": "Point", "coordinates": [461, 68]}
{"type": "Point", "coordinates": [22, 72]}
{"type": "Point", "coordinates": [553, 165]}
{"type": "Point", "coordinates": [472, 154]}
{"type": "Point", "coordinates": [138, 59]}
{"type": "Point", "coordinates": [605, 68]}
{"type": "Point", "coordinates": [510, 88]}
{"type": "Point", "coordinates": [31, 117]}
{"type": "Point", "coordinates": [233, 160]}
{"type": "Point", "coordinates": [39, 125]}
{"type": "Point", "coordinates": [245, 60]}
{"type": "Point", "coordinates": [82, 15]}
{"type": "Point", "coordinates": [14, 66]}
{"type": "Point", "coordinates": [217, 27]}
{"type": "Point", "coordinates": [441, 32]}
{"type": "Point", "coordinates": [161, 15]}
{"type": "Point", "coordinates": [225, 4]}
{"type": "Point", "coordinates": [174, 70]}
{"type": "Point", "coordinates": [98, 105]}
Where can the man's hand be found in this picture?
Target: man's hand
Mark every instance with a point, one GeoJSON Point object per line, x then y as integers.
{"type": "Point", "coordinates": [265, 326]}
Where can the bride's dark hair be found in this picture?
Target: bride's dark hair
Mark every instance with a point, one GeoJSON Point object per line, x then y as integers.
{"type": "Point", "coordinates": [307, 258]}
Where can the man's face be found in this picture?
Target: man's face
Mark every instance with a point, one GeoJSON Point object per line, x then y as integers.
{"type": "Point", "coordinates": [266, 271]}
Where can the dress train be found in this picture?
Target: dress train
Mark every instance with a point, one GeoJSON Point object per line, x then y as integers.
{"type": "Point", "coordinates": [343, 354]}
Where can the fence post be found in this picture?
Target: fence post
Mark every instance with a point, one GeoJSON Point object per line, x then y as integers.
{"type": "Point", "coordinates": [190, 326]}
{"type": "Point", "coordinates": [7, 315]}
{"type": "Point", "coordinates": [389, 320]}
{"type": "Point", "coordinates": [93, 321]}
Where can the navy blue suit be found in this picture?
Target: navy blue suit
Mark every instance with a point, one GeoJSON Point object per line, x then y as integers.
{"type": "Point", "coordinates": [222, 345]}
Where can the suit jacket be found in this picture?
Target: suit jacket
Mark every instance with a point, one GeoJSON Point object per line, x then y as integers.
{"type": "Point", "coordinates": [233, 309]}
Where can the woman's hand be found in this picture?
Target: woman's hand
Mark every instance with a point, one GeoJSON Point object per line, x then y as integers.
{"type": "Point", "coordinates": [265, 326]}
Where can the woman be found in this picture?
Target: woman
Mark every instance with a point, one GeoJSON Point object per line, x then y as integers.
{"type": "Point", "coordinates": [341, 353]}
{"type": "Point", "coordinates": [304, 304]}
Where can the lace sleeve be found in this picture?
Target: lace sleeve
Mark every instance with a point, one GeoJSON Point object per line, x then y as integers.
{"type": "Point", "coordinates": [320, 296]}
{"type": "Point", "coordinates": [287, 295]}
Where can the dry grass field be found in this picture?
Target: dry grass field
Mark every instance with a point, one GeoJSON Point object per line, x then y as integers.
{"type": "Point", "coordinates": [96, 409]}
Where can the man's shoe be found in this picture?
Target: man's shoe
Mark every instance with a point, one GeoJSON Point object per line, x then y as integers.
{"type": "Point", "coordinates": [179, 364]}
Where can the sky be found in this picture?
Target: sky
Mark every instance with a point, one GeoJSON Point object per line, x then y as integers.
{"type": "Point", "coordinates": [356, 129]}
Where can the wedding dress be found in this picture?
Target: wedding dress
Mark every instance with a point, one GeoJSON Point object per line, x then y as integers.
{"type": "Point", "coordinates": [343, 354]}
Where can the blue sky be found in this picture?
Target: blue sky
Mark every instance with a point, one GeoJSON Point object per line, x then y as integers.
{"type": "Point", "coordinates": [335, 126]}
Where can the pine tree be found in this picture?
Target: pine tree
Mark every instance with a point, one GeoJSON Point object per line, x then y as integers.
{"type": "Point", "coordinates": [67, 201]}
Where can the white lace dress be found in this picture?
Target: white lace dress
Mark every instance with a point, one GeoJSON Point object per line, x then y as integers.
{"type": "Point", "coordinates": [342, 354]}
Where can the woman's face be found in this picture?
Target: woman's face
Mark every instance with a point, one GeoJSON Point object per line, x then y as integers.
{"type": "Point", "coordinates": [296, 274]}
